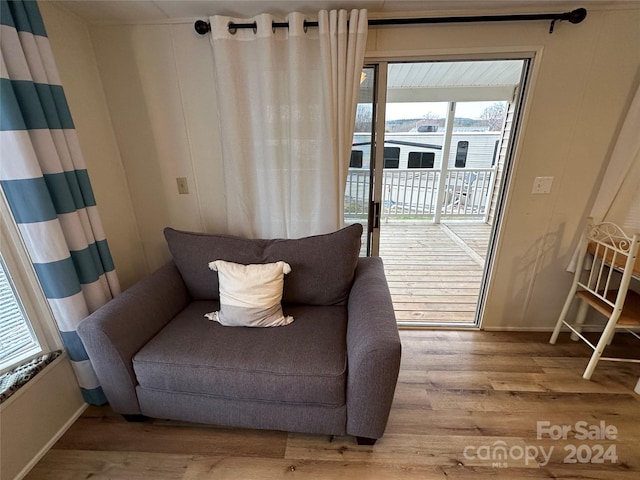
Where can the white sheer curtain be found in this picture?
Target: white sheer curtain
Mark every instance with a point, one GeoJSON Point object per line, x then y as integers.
{"type": "Point", "coordinates": [287, 101]}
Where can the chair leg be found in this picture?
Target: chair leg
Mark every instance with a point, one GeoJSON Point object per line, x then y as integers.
{"type": "Point", "coordinates": [563, 315]}
{"type": "Point", "coordinates": [608, 332]}
{"type": "Point", "coordinates": [610, 339]}
{"type": "Point", "coordinates": [593, 361]}
{"type": "Point", "coordinates": [581, 315]}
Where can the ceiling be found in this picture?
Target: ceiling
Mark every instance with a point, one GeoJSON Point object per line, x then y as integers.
{"type": "Point", "coordinates": [150, 11]}
{"type": "Point", "coordinates": [460, 81]}
{"type": "Point", "coordinates": [454, 74]}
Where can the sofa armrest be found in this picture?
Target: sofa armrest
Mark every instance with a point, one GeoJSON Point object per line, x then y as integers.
{"type": "Point", "coordinates": [114, 333]}
{"type": "Point", "coordinates": [373, 350]}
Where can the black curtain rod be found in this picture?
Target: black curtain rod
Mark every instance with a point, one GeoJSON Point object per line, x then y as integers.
{"type": "Point", "coordinates": [574, 16]}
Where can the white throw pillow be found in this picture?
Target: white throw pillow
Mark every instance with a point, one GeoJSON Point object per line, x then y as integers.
{"type": "Point", "coordinates": [250, 295]}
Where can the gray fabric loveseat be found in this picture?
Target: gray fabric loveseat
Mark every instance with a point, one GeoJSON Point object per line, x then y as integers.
{"type": "Point", "coordinates": [332, 371]}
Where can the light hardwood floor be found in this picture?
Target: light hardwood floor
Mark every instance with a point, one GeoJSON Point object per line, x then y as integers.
{"type": "Point", "coordinates": [461, 396]}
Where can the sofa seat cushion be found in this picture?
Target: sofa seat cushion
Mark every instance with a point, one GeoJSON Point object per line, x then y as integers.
{"type": "Point", "coordinates": [304, 362]}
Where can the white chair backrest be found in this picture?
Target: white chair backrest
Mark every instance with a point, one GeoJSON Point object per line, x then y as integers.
{"type": "Point", "coordinates": [612, 251]}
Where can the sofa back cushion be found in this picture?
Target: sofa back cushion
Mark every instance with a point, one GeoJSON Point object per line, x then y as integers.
{"type": "Point", "coordinates": [322, 266]}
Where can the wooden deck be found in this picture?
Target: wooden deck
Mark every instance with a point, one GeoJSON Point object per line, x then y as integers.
{"type": "Point", "coordinates": [434, 271]}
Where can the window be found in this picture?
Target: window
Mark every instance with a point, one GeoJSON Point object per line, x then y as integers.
{"type": "Point", "coordinates": [27, 328]}
{"type": "Point", "coordinates": [421, 160]}
{"type": "Point", "coordinates": [17, 339]}
{"type": "Point", "coordinates": [356, 159]}
{"type": "Point", "coordinates": [391, 157]}
{"type": "Point", "coordinates": [461, 154]}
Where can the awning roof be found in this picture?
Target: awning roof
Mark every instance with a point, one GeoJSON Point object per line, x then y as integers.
{"type": "Point", "coordinates": [484, 80]}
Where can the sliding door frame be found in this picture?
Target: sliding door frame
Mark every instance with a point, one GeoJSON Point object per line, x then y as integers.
{"type": "Point", "coordinates": [377, 155]}
{"type": "Point", "coordinates": [521, 99]}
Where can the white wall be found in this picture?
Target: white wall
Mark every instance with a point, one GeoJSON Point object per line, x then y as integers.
{"type": "Point", "coordinates": [76, 62]}
{"type": "Point", "coordinates": [36, 416]}
{"type": "Point", "coordinates": [158, 81]}
{"type": "Point", "coordinates": [158, 84]}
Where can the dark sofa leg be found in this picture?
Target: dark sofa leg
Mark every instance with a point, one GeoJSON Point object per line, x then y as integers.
{"type": "Point", "coordinates": [366, 441]}
{"type": "Point", "coordinates": [135, 418]}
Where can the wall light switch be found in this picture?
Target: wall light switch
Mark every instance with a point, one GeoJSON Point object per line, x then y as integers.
{"type": "Point", "coordinates": [183, 185]}
{"type": "Point", "coordinates": [542, 185]}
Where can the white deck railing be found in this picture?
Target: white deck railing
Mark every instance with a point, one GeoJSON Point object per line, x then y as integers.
{"type": "Point", "coordinates": [414, 193]}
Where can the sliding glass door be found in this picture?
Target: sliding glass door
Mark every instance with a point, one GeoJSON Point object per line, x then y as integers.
{"type": "Point", "coordinates": [430, 160]}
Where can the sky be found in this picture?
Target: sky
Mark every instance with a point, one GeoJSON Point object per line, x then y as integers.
{"type": "Point", "coordinates": [398, 111]}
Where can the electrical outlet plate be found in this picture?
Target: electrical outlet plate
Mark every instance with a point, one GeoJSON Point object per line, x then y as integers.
{"type": "Point", "coordinates": [542, 185]}
{"type": "Point", "coordinates": [183, 185]}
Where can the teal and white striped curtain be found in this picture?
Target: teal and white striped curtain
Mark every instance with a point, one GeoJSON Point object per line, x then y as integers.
{"type": "Point", "coordinates": [45, 182]}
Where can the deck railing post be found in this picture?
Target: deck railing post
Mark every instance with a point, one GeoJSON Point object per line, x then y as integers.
{"type": "Point", "coordinates": [444, 163]}
{"type": "Point", "coordinates": [487, 203]}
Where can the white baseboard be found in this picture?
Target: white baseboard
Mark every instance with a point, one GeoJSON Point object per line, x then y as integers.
{"type": "Point", "coordinates": [537, 329]}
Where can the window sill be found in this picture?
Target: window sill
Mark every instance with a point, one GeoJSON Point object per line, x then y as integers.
{"type": "Point", "coordinates": [32, 381]}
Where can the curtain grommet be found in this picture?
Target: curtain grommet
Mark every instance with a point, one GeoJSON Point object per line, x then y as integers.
{"type": "Point", "coordinates": [232, 28]}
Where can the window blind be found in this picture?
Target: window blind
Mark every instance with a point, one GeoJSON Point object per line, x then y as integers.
{"type": "Point", "coordinates": [16, 337]}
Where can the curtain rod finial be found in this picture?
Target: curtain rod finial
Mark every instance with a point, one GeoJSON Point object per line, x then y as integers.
{"type": "Point", "coordinates": [577, 15]}
{"type": "Point", "coordinates": [202, 27]}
